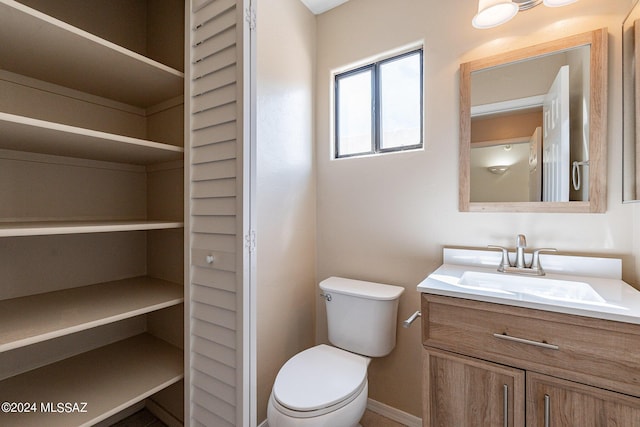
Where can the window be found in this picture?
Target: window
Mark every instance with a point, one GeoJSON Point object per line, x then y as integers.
{"type": "Point", "coordinates": [378, 107]}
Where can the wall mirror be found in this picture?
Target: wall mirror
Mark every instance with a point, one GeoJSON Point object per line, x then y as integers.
{"type": "Point", "coordinates": [533, 128]}
{"type": "Point", "coordinates": [631, 106]}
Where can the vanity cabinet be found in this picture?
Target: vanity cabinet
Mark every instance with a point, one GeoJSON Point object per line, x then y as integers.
{"type": "Point", "coordinates": [91, 209]}
{"type": "Point", "coordinates": [462, 391]}
{"type": "Point", "coordinates": [502, 365]}
{"type": "Point", "coordinates": [555, 402]}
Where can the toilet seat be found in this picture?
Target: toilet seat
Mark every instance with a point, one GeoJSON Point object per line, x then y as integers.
{"type": "Point", "coordinates": [319, 380]}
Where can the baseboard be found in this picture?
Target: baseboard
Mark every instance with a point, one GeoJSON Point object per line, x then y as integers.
{"type": "Point", "coordinates": [394, 414]}
{"type": "Point", "coordinates": [387, 412]}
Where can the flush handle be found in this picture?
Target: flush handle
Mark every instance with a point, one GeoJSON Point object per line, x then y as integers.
{"type": "Point", "coordinates": [411, 319]}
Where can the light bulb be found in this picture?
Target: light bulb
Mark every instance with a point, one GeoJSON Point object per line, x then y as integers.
{"type": "Point", "coordinates": [558, 3]}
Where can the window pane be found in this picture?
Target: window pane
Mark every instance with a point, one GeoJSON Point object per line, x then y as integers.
{"type": "Point", "coordinates": [400, 102]}
{"type": "Point", "coordinates": [354, 114]}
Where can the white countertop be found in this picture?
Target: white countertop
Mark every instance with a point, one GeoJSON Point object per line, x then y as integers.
{"type": "Point", "coordinates": [620, 301]}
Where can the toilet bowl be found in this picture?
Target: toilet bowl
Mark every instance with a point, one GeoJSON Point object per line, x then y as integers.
{"type": "Point", "coordinates": [321, 386]}
{"type": "Point", "coordinates": [327, 386]}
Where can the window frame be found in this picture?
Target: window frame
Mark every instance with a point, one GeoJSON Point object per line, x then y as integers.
{"type": "Point", "coordinates": [376, 111]}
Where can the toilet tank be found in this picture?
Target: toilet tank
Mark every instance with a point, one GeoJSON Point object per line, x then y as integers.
{"type": "Point", "coordinates": [361, 316]}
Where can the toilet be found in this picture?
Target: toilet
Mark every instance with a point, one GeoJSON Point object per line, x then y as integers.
{"type": "Point", "coordinates": [326, 386]}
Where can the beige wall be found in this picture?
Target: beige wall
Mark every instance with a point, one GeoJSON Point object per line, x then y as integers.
{"type": "Point", "coordinates": [285, 188]}
{"type": "Point", "coordinates": [387, 218]}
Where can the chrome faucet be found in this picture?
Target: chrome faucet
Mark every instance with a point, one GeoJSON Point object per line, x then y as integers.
{"type": "Point", "coordinates": [521, 244]}
{"type": "Point", "coordinates": [520, 266]}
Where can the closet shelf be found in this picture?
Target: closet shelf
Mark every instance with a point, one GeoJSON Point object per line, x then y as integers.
{"type": "Point", "coordinates": [46, 228]}
{"type": "Point", "coordinates": [38, 136]}
{"type": "Point", "coordinates": [40, 46]}
{"type": "Point", "coordinates": [35, 318]}
{"type": "Point", "coordinates": [109, 379]}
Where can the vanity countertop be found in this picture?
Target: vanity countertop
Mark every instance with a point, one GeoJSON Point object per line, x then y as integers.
{"type": "Point", "coordinates": [618, 300]}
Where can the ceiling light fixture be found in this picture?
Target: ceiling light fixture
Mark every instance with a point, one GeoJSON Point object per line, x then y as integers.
{"type": "Point", "coordinates": [492, 13]}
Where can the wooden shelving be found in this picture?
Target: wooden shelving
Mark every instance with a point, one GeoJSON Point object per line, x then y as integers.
{"type": "Point", "coordinates": [50, 228]}
{"type": "Point", "coordinates": [39, 136]}
{"type": "Point", "coordinates": [37, 45]}
{"type": "Point", "coordinates": [61, 73]}
{"type": "Point", "coordinates": [108, 379]}
{"type": "Point", "coordinates": [35, 318]}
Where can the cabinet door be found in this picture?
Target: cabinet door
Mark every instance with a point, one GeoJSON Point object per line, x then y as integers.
{"type": "Point", "coordinates": [220, 168]}
{"type": "Point", "coordinates": [552, 402]}
{"type": "Point", "coordinates": [462, 391]}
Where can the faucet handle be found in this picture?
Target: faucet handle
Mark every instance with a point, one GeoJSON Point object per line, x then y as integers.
{"type": "Point", "coordinates": [521, 241]}
{"type": "Point", "coordinates": [535, 261]}
{"type": "Point", "coordinates": [505, 257]}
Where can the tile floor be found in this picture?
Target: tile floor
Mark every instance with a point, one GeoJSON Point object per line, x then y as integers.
{"type": "Point", "coordinates": [144, 418]}
{"type": "Point", "coordinates": [372, 419]}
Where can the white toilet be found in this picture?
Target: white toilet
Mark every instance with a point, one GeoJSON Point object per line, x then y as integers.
{"type": "Point", "coordinates": [327, 386]}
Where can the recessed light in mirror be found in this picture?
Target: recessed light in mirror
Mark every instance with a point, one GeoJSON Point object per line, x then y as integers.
{"type": "Point", "coordinates": [498, 170]}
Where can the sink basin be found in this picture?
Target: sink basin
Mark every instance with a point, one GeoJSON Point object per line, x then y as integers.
{"type": "Point", "coordinates": [582, 286]}
{"type": "Point", "coordinates": [541, 287]}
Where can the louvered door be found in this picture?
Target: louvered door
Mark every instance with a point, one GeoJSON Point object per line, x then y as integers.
{"type": "Point", "coordinates": [219, 168]}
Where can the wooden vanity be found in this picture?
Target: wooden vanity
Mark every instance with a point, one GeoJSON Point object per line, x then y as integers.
{"type": "Point", "coordinates": [514, 350]}
{"type": "Point", "coordinates": [496, 365]}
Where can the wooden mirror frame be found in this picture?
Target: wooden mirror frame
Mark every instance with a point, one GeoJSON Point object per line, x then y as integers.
{"type": "Point", "coordinates": [631, 106]}
{"type": "Point", "coordinates": [597, 40]}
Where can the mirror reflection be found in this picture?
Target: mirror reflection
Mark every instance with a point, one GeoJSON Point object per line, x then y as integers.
{"type": "Point", "coordinates": [530, 129]}
{"type": "Point", "coordinates": [631, 92]}
{"type": "Point", "coordinates": [533, 128]}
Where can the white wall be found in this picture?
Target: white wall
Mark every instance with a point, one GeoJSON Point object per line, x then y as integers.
{"type": "Point", "coordinates": [285, 188]}
{"type": "Point", "coordinates": [387, 218]}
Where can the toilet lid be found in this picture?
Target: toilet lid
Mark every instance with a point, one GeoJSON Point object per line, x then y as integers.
{"type": "Point", "coordinates": [319, 377]}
